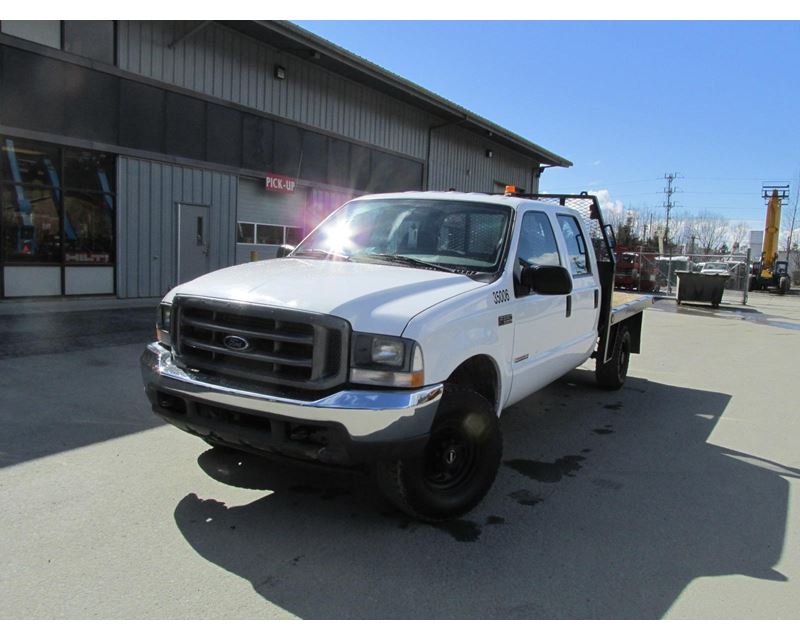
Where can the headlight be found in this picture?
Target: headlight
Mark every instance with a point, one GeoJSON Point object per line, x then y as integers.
{"type": "Point", "coordinates": [164, 323]}
{"type": "Point", "coordinates": [386, 361]}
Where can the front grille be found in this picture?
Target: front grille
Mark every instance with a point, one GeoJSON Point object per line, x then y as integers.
{"type": "Point", "coordinates": [258, 343]}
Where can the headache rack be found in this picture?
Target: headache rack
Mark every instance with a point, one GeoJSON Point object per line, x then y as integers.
{"type": "Point", "coordinates": [603, 241]}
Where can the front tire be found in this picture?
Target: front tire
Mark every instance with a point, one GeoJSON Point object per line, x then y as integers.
{"type": "Point", "coordinates": [612, 374]}
{"type": "Point", "coordinates": [458, 465]}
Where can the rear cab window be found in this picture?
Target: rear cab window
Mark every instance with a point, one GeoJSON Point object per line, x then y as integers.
{"type": "Point", "coordinates": [579, 262]}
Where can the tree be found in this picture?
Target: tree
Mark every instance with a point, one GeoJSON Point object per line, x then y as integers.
{"type": "Point", "coordinates": [795, 261]}
{"type": "Point", "coordinates": [710, 230]}
{"type": "Point", "coordinates": [680, 230]}
{"type": "Point", "coordinates": [737, 234]}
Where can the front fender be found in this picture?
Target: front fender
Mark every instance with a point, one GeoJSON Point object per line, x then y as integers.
{"type": "Point", "coordinates": [463, 327]}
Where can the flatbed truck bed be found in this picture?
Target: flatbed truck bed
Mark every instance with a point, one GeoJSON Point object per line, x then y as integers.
{"type": "Point", "coordinates": [625, 305]}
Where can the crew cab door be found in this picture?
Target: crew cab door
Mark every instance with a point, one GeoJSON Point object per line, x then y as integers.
{"type": "Point", "coordinates": [583, 303]}
{"type": "Point", "coordinates": [539, 329]}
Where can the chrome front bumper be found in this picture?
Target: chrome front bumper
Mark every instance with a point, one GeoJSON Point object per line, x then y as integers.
{"type": "Point", "coordinates": [367, 416]}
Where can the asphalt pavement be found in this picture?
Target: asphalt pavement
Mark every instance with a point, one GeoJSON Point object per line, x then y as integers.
{"type": "Point", "coordinates": [676, 496]}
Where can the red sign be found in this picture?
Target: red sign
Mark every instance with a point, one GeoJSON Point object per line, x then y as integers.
{"type": "Point", "coordinates": [275, 182]}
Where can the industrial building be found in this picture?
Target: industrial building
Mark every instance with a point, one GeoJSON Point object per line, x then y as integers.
{"type": "Point", "coordinates": [138, 155]}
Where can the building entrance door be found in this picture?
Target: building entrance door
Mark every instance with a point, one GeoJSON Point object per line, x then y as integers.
{"type": "Point", "coordinates": [192, 241]}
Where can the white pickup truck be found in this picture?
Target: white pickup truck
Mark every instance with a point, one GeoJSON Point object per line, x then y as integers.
{"type": "Point", "coordinates": [393, 337]}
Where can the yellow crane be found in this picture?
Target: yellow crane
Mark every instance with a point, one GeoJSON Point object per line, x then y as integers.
{"type": "Point", "coordinates": [769, 272]}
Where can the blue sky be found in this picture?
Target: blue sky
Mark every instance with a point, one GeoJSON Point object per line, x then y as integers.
{"type": "Point", "coordinates": [626, 102]}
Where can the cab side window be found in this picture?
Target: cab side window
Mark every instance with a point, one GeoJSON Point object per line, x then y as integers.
{"type": "Point", "coordinates": [537, 247]}
{"type": "Point", "coordinates": [579, 262]}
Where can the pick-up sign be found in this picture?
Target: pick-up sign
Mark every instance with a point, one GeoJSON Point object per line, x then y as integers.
{"type": "Point", "coordinates": [275, 182]}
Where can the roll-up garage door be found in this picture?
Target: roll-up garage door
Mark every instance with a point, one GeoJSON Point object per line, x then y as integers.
{"type": "Point", "coordinates": [258, 205]}
{"type": "Point", "coordinates": [267, 219]}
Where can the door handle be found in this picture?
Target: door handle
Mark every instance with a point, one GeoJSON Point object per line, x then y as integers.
{"type": "Point", "coordinates": [569, 306]}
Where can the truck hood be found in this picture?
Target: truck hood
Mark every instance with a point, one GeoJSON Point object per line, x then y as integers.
{"type": "Point", "coordinates": [374, 298]}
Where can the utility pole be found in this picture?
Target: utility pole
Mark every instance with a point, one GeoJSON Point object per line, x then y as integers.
{"type": "Point", "coordinates": [668, 205]}
{"type": "Point", "coordinates": [794, 215]}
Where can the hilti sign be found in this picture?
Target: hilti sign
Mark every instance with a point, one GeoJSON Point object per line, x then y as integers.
{"type": "Point", "coordinates": [284, 184]}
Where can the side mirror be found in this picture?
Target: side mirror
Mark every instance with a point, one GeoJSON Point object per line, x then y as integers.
{"type": "Point", "coordinates": [284, 250]}
{"type": "Point", "coordinates": [547, 280]}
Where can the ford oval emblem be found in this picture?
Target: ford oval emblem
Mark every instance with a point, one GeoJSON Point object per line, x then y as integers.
{"type": "Point", "coordinates": [236, 343]}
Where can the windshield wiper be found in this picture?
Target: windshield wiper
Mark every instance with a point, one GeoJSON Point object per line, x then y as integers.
{"type": "Point", "coordinates": [321, 253]}
{"type": "Point", "coordinates": [412, 262]}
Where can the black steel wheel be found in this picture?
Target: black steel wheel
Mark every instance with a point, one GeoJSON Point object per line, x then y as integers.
{"type": "Point", "coordinates": [458, 465]}
{"type": "Point", "coordinates": [450, 458]}
{"type": "Point", "coordinates": [612, 374]}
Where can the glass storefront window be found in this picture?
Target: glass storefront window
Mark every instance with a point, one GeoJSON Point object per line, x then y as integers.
{"type": "Point", "coordinates": [254, 233]}
{"type": "Point", "coordinates": [246, 233]}
{"type": "Point", "coordinates": [30, 163]}
{"type": "Point", "coordinates": [88, 228]}
{"type": "Point", "coordinates": [293, 235]}
{"type": "Point", "coordinates": [269, 234]}
{"type": "Point", "coordinates": [57, 207]}
{"type": "Point", "coordinates": [89, 170]}
{"type": "Point", "coordinates": [31, 224]}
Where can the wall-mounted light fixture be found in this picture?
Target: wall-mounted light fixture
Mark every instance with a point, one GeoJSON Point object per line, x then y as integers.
{"type": "Point", "coordinates": [280, 72]}
{"type": "Point", "coordinates": [489, 153]}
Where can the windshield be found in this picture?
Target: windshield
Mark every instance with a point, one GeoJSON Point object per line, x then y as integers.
{"type": "Point", "coordinates": [465, 237]}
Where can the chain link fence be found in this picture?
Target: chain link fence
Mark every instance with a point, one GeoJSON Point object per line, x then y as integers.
{"type": "Point", "coordinates": [658, 274]}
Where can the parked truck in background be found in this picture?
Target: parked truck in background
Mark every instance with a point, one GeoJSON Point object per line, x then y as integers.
{"type": "Point", "coordinates": [636, 272]}
{"type": "Point", "coordinates": [394, 336]}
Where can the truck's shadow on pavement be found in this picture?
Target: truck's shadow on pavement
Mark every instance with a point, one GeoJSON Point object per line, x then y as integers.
{"type": "Point", "coordinates": [607, 506]}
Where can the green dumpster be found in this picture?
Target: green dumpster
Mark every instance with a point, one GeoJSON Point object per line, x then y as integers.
{"type": "Point", "coordinates": [701, 287]}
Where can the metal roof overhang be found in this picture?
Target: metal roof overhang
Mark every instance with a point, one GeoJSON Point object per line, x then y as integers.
{"type": "Point", "coordinates": [291, 39]}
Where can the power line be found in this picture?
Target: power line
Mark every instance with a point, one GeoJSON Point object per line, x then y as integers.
{"type": "Point", "coordinates": [720, 193]}
{"type": "Point", "coordinates": [613, 184]}
{"type": "Point", "coordinates": [726, 179]}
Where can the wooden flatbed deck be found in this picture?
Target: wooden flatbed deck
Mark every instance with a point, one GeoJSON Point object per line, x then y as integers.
{"type": "Point", "coordinates": [618, 298]}
{"type": "Point", "coordinates": [625, 305]}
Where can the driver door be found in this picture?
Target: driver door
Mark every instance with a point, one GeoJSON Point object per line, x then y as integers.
{"type": "Point", "coordinates": [539, 328]}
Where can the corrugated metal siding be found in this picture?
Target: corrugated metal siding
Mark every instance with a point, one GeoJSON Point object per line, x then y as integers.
{"type": "Point", "coordinates": [221, 63]}
{"type": "Point", "coordinates": [458, 160]}
{"type": "Point", "coordinates": [148, 195]}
